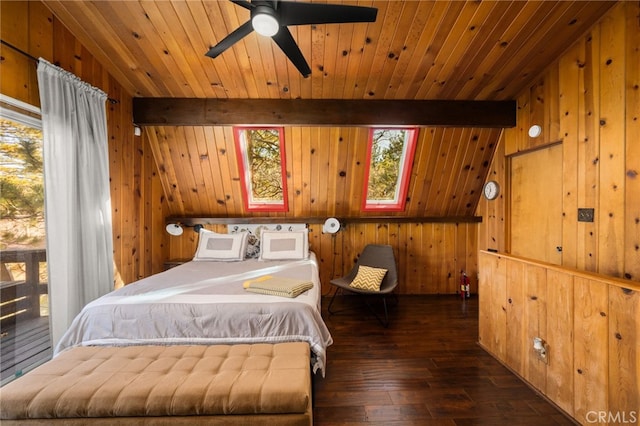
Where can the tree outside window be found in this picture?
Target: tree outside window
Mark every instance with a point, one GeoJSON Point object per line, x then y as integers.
{"type": "Point", "coordinates": [262, 167]}
{"type": "Point", "coordinates": [21, 186]}
{"type": "Point", "coordinates": [22, 226]}
{"type": "Point", "coordinates": [389, 158]}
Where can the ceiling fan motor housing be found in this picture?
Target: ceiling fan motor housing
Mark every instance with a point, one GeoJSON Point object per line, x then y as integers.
{"type": "Point", "coordinates": [272, 19]}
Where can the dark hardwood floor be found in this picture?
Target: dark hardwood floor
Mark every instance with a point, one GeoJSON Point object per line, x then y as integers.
{"type": "Point", "coordinates": [426, 368]}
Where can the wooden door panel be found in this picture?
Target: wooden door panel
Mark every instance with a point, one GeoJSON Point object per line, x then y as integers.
{"type": "Point", "coordinates": [536, 205]}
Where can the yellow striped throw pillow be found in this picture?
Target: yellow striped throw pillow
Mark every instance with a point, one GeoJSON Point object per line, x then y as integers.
{"type": "Point", "coordinates": [368, 278]}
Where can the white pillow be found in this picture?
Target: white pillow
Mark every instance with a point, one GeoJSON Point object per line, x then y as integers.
{"type": "Point", "coordinates": [282, 245]}
{"type": "Point", "coordinates": [225, 247]}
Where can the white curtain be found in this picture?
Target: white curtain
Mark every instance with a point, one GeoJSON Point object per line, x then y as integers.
{"type": "Point", "coordinates": [77, 197]}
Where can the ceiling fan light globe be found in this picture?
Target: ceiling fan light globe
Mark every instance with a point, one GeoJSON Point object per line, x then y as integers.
{"type": "Point", "coordinates": [265, 24]}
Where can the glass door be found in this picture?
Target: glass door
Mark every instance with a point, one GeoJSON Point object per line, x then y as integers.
{"type": "Point", "coordinates": [24, 320]}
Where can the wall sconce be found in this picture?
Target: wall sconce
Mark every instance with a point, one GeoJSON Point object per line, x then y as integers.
{"type": "Point", "coordinates": [331, 226]}
{"type": "Point", "coordinates": [535, 131]}
{"type": "Point", "coordinates": [176, 229]}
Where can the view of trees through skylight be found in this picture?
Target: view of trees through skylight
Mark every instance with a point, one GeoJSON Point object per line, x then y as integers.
{"type": "Point", "coordinates": [390, 157]}
{"type": "Point", "coordinates": [261, 158]}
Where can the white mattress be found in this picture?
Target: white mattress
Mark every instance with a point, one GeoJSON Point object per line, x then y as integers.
{"type": "Point", "coordinates": [205, 303]}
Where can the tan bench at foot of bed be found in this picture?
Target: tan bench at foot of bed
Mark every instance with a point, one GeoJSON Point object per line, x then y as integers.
{"type": "Point", "coordinates": [231, 384]}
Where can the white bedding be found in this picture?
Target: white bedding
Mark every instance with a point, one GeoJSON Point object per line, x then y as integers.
{"type": "Point", "coordinates": [205, 303]}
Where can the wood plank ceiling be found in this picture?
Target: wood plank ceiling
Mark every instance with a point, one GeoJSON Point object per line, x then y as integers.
{"type": "Point", "coordinates": [416, 50]}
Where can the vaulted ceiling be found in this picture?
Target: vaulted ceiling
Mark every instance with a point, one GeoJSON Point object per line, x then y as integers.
{"type": "Point", "coordinates": [416, 50]}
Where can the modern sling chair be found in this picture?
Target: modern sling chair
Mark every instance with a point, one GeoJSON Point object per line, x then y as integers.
{"type": "Point", "coordinates": [374, 275]}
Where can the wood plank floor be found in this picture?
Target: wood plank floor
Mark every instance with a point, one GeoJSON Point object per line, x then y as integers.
{"type": "Point", "coordinates": [426, 368]}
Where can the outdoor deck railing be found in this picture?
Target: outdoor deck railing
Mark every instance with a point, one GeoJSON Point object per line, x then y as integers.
{"type": "Point", "coordinates": [21, 298]}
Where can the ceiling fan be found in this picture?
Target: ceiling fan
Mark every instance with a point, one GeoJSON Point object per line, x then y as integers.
{"type": "Point", "coordinates": [271, 18]}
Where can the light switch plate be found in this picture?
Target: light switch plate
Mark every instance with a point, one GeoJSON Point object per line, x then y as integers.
{"type": "Point", "coordinates": [585, 215]}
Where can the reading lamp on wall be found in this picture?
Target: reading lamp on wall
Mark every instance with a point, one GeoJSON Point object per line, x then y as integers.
{"type": "Point", "coordinates": [176, 229]}
{"type": "Point", "coordinates": [331, 226]}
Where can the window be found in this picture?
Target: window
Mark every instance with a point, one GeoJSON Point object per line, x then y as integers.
{"type": "Point", "coordinates": [262, 168]}
{"type": "Point", "coordinates": [389, 157]}
{"type": "Point", "coordinates": [23, 268]}
{"type": "Point", "coordinates": [21, 177]}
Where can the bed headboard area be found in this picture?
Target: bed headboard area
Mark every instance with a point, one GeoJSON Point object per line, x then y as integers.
{"type": "Point", "coordinates": [184, 243]}
{"type": "Point", "coordinates": [256, 229]}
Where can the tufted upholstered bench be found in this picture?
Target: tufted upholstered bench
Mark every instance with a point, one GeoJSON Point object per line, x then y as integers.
{"type": "Point", "coordinates": [220, 384]}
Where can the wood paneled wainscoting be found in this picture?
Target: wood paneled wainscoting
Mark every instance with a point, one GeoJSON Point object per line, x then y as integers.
{"type": "Point", "coordinates": [590, 326]}
{"type": "Point", "coordinates": [430, 253]}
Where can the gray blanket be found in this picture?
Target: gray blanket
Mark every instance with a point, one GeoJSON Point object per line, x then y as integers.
{"type": "Point", "coordinates": [205, 303]}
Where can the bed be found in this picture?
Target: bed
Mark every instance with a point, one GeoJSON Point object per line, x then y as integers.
{"type": "Point", "coordinates": [205, 302]}
{"type": "Point", "coordinates": [236, 332]}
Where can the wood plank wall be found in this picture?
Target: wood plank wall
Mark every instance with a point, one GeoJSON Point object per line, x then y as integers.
{"type": "Point", "coordinates": [325, 168]}
{"type": "Point", "coordinates": [136, 192]}
{"type": "Point", "coordinates": [589, 101]}
{"type": "Point", "coordinates": [588, 321]}
{"type": "Point", "coordinates": [430, 256]}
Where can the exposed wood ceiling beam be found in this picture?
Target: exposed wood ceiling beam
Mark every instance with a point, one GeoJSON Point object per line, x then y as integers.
{"type": "Point", "coordinates": [322, 112]}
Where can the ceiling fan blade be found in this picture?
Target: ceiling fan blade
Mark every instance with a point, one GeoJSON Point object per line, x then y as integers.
{"type": "Point", "coordinates": [243, 3]}
{"type": "Point", "coordinates": [317, 13]}
{"type": "Point", "coordinates": [229, 40]}
{"type": "Point", "coordinates": [285, 41]}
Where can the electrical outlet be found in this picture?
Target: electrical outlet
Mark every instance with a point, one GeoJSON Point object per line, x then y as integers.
{"type": "Point", "coordinates": [541, 349]}
{"type": "Point", "coordinates": [543, 355]}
